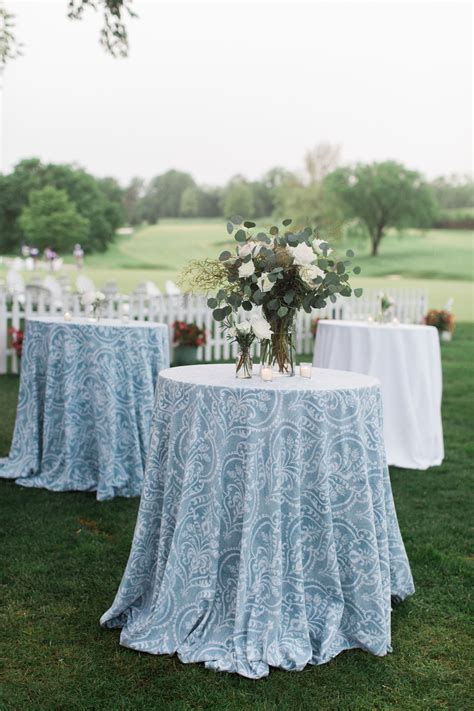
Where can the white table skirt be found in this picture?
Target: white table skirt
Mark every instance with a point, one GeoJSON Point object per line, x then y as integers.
{"type": "Point", "coordinates": [406, 359]}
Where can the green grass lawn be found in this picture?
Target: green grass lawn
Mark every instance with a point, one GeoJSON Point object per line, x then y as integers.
{"type": "Point", "coordinates": [63, 556]}
{"type": "Point", "coordinates": [441, 261]}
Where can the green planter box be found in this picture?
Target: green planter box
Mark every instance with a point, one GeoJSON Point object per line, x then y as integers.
{"type": "Point", "coordinates": [185, 355]}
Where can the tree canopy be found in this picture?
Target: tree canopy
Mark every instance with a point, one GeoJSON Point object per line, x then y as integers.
{"type": "Point", "coordinates": [113, 35]}
{"type": "Point", "coordinates": [382, 195]}
{"type": "Point", "coordinates": [51, 219]}
{"type": "Point", "coordinates": [95, 200]}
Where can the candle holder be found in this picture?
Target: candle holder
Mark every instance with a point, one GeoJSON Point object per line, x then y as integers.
{"type": "Point", "coordinates": [67, 316]}
{"type": "Point", "coordinates": [266, 372]}
{"type": "Point", "coordinates": [306, 370]}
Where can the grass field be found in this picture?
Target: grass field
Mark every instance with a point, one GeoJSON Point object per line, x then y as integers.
{"type": "Point", "coordinates": [63, 556]}
{"type": "Point", "coordinates": [441, 261]}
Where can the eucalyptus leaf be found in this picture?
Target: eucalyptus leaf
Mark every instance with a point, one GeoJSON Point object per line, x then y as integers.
{"type": "Point", "coordinates": [287, 221]}
{"type": "Point", "coordinates": [340, 268]}
{"type": "Point", "coordinates": [219, 314]}
{"type": "Point", "coordinates": [247, 305]}
{"type": "Point", "coordinates": [358, 292]}
{"type": "Point", "coordinates": [235, 300]}
{"type": "Point", "coordinates": [350, 253]}
{"type": "Point", "coordinates": [282, 311]}
{"type": "Point", "coordinates": [224, 256]}
{"type": "Point", "coordinates": [273, 304]}
{"type": "Point", "coordinates": [288, 298]}
{"type": "Point", "coordinates": [273, 230]}
{"type": "Point", "coordinates": [249, 224]}
{"type": "Point", "coordinates": [237, 219]}
{"type": "Point", "coordinates": [230, 227]}
{"type": "Point", "coordinates": [240, 236]}
{"type": "Point", "coordinates": [357, 270]}
{"type": "Point", "coordinates": [212, 303]}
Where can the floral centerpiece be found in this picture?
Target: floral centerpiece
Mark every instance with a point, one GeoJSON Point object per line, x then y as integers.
{"type": "Point", "coordinates": [273, 274]}
{"type": "Point", "coordinates": [187, 337]}
{"type": "Point", "coordinates": [96, 300]}
{"type": "Point", "coordinates": [443, 320]}
{"type": "Point", "coordinates": [386, 305]}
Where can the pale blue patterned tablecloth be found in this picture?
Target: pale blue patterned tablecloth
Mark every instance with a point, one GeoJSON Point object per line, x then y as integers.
{"type": "Point", "coordinates": [266, 534]}
{"type": "Point", "coordinates": [85, 405]}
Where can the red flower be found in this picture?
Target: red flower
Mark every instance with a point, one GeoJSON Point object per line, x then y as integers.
{"type": "Point", "coordinates": [188, 334]}
{"type": "Point", "coordinates": [16, 340]}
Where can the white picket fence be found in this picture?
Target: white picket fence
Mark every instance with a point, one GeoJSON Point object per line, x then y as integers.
{"type": "Point", "coordinates": [411, 305]}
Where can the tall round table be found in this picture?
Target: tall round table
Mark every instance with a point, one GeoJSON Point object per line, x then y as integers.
{"type": "Point", "coordinates": [85, 405]}
{"type": "Point", "coordinates": [266, 534]}
{"type": "Point", "coordinates": [406, 360]}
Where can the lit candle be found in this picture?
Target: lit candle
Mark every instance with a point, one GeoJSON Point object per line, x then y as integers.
{"type": "Point", "coordinates": [266, 372]}
{"type": "Point", "coordinates": [370, 319]}
{"type": "Point", "coordinates": [395, 321]}
{"type": "Point", "coordinates": [305, 370]}
{"type": "Point", "coordinates": [67, 316]}
{"type": "Point", "coordinates": [125, 309]}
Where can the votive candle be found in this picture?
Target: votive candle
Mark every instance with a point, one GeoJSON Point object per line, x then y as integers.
{"type": "Point", "coordinates": [305, 370]}
{"type": "Point", "coordinates": [67, 316]}
{"type": "Point", "coordinates": [266, 372]}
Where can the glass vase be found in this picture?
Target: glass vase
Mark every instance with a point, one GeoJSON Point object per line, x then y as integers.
{"type": "Point", "coordinates": [279, 351]}
{"type": "Point", "coordinates": [243, 365]}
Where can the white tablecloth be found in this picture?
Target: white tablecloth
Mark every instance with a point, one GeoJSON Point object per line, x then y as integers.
{"type": "Point", "coordinates": [406, 359]}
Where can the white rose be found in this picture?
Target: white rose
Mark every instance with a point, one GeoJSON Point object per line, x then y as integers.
{"type": "Point", "coordinates": [245, 249]}
{"type": "Point", "coordinates": [87, 297]}
{"type": "Point", "coordinates": [99, 296]}
{"type": "Point", "coordinates": [246, 269]}
{"type": "Point", "coordinates": [261, 328]}
{"type": "Point", "coordinates": [303, 254]}
{"type": "Point", "coordinates": [232, 332]}
{"type": "Point", "coordinates": [264, 283]}
{"type": "Point", "coordinates": [310, 272]}
{"type": "Point", "coordinates": [244, 327]}
{"type": "Point", "coordinates": [317, 246]}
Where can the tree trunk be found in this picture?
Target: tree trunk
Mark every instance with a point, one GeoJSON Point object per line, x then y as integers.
{"type": "Point", "coordinates": [376, 239]}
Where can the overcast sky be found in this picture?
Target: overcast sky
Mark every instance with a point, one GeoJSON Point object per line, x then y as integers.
{"type": "Point", "coordinates": [224, 87]}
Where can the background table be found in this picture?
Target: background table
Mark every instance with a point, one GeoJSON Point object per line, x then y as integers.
{"type": "Point", "coordinates": [85, 405]}
{"type": "Point", "coordinates": [406, 359]}
{"type": "Point", "coordinates": [266, 533]}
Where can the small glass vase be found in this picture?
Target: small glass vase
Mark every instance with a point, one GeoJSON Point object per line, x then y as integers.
{"type": "Point", "coordinates": [243, 365]}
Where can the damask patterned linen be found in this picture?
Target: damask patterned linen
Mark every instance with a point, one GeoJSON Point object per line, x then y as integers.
{"type": "Point", "coordinates": [85, 405]}
{"type": "Point", "coordinates": [266, 534]}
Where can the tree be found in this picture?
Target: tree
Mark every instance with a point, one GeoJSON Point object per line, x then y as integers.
{"type": "Point", "coordinates": [454, 192]}
{"type": "Point", "coordinates": [238, 199]}
{"type": "Point", "coordinates": [113, 36]}
{"type": "Point", "coordinates": [10, 48]}
{"type": "Point", "coordinates": [51, 219]}
{"type": "Point", "coordinates": [321, 160]}
{"type": "Point", "coordinates": [189, 204]}
{"type": "Point", "coordinates": [90, 197]}
{"type": "Point", "coordinates": [163, 195]}
{"type": "Point", "coordinates": [382, 195]}
{"type": "Point", "coordinates": [131, 198]}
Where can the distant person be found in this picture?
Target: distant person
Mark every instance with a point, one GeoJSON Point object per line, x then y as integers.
{"type": "Point", "coordinates": [50, 255]}
{"type": "Point", "coordinates": [78, 253]}
{"type": "Point", "coordinates": [25, 251]}
{"type": "Point", "coordinates": [34, 254]}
